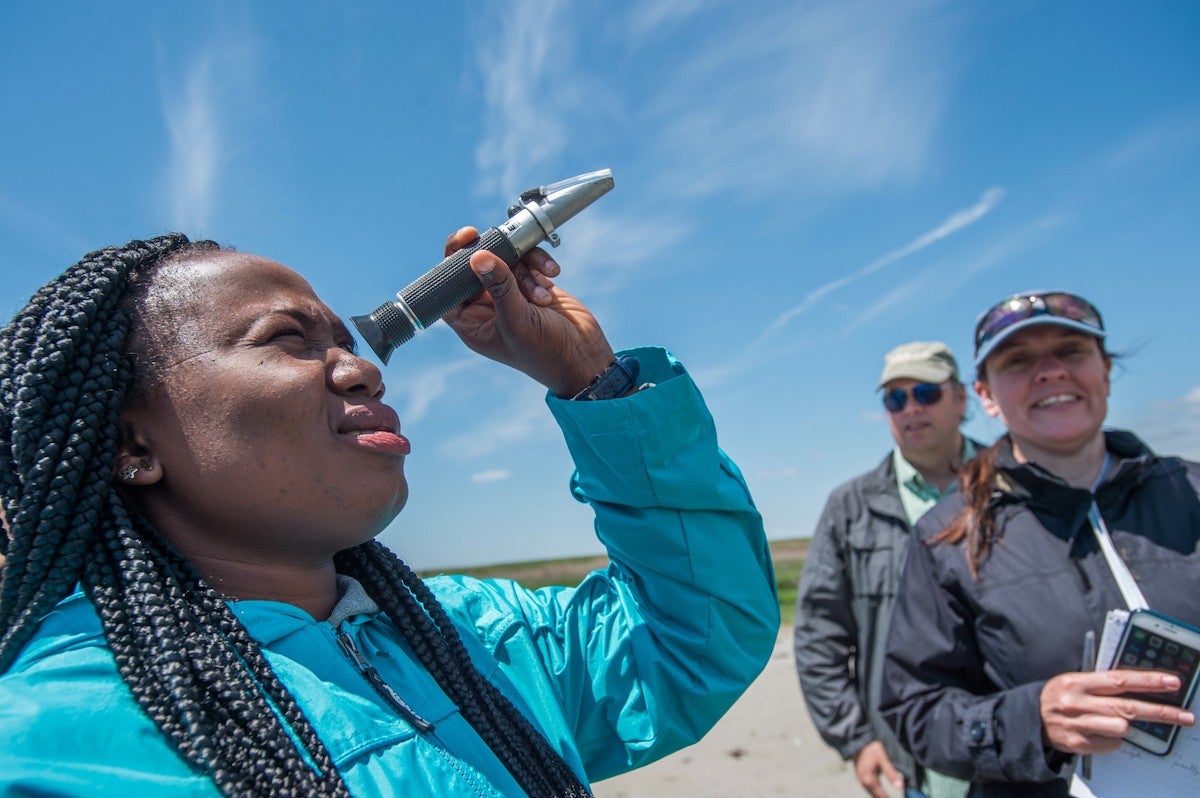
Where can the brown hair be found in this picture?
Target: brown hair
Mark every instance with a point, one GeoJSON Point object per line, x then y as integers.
{"type": "Point", "coordinates": [976, 521]}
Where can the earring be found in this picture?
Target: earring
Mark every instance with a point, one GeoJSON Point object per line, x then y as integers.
{"type": "Point", "coordinates": [128, 473]}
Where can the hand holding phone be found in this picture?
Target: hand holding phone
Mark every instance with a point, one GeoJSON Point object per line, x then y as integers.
{"type": "Point", "coordinates": [1156, 642]}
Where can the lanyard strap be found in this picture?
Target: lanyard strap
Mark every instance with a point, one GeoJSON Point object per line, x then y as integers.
{"type": "Point", "coordinates": [1120, 571]}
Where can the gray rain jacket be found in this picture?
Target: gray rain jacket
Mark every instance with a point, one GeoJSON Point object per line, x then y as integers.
{"type": "Point", "coordinates": [967, 658]}
{"type": "Point", "coordinates": [845, 600]}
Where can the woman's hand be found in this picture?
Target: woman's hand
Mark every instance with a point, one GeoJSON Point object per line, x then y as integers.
{"type": "Point", "coordinates": [1089, 713]}
{"type": "Point", "coordinates": [522, 319]}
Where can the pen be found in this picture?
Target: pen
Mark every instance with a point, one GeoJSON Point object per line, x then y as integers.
{"type": "Point", "coordinates": [1089, 664]}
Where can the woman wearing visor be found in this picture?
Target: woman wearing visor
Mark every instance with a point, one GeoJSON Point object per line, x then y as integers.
{"type": "Point", "coordinates": [983, 677]}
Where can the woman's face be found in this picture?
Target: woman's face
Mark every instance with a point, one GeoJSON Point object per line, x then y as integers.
{"type": "Point", "coordinates": [1049, 385]}
{"type": "Point", "coordinates": [267, 435]}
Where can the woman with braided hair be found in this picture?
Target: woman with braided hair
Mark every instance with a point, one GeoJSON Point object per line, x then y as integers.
{"type": "Point", "coordinates": [194, 464]}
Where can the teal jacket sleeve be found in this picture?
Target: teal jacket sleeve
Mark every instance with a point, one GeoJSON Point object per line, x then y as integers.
{"type": "Point", "coordinates": [644, 657]}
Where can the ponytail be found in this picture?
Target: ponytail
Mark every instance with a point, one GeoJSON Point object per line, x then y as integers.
{"type": "Point", "coordinates": [976, 522]}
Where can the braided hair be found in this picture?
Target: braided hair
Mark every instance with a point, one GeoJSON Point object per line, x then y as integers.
{"type": "Point", "coordinates": [66, 367]}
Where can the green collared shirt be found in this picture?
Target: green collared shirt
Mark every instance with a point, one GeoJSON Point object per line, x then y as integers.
{"type": "Point", "coordinates": [916, 494]}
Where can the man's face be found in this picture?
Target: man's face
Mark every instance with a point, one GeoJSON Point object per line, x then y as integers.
{"type": "Point", "coordinates": [922, 432]}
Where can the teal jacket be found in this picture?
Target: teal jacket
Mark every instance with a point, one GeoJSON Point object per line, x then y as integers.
{"type": "Point", "coordinates": [635, 662]}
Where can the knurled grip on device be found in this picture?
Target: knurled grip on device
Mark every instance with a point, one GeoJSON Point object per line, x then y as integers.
{"type": "Point", "coordinates": [452, 282]}
{"type": "Point", "coordinates": [431, 296]}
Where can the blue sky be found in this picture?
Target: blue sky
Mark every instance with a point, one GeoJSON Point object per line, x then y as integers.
{"type": "Point", "coordinates": [799, 187]}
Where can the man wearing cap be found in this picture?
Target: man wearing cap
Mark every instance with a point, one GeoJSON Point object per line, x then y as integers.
{"type": "Point", "coordinates": [855, 560]}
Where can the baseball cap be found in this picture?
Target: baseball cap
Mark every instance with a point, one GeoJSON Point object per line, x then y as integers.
{"type": "Point", "coordinates": [927, 361]}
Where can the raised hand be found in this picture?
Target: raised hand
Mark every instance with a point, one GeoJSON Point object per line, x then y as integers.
{"type": "Point", "coordinates": [522, 319]}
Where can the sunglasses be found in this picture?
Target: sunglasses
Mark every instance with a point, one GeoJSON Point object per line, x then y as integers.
{"type": "Point", "coordinates": [1025, 306]}
{"type": "Point", "coordinates": [924, 393]}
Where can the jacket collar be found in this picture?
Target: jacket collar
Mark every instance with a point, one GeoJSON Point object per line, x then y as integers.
{"type": "Point", "coordinates": [880, 491]}
{"type": "Point", "coordinates": [1061, 507]}
{"type": "Point", "coordinates": [270, 621]}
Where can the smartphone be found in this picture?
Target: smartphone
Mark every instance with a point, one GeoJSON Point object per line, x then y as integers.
{"type": "Point", "coordinates": [1156, 642]}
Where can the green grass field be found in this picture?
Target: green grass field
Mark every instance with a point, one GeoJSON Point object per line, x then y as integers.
{"type": "Point", "coordinates": [788, 556]}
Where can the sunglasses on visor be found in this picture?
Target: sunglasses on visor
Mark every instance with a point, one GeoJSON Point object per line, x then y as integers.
{"type": "Point", "coordinates": [924, 393]}
{"type": "Point", "coordinates": [1025, 306]}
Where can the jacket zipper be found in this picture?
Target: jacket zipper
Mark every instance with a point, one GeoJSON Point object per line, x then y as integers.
{"type": "Point", "coordinates": [385, 691]}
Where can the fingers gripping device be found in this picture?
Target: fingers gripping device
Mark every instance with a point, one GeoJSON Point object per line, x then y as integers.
{"type": "Point", "coordinates": [534, 218]}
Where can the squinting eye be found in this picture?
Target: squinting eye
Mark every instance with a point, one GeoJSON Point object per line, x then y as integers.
{"type": "Point", "coordinates": [286, 335]}
{"type": "Point", "coordinates": [1013, 362]}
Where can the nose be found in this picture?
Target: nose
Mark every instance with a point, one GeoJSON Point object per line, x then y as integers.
{"type": "Point", "coordinates": [351, 375]}
{"type": "Point", "coordinates": [1049, 367]}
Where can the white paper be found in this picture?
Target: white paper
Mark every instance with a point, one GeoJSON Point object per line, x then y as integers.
{"type": "Point", "coordinates": [1114, 629]}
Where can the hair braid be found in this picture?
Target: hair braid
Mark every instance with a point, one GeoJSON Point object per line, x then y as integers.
{"type": "Point", "coordinates": [189, 663]}
{"type": "Point", "coordinates": [56, 456]}
{"type": "Point", "coordinates": [416, 612]}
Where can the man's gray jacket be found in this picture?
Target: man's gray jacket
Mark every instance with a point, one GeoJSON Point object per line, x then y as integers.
{"type": "Point", "coordinates": [844, 606]}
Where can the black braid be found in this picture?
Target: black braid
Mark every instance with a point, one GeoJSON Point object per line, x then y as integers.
{"type": "Point", "coordinates": [189, 663]}
{"type": "Point", "coordinates": [408, 602]}
{"type": "Point", "coordinates": [66, 368]}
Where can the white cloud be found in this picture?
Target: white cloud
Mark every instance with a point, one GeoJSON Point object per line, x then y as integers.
{"type": "Point", "coordinates": [656, 16]}
{"type": "Point", "coordinates": [950, 277]}
{"type": "Point", "coordinates": [423, 388]}
{"type": "Point", "coordinates": [1161, 138]}
{"type": "Point", "coordinates": [522, 417]}
{"type": "Point", "coordinates": [906, 293]}
{"type": "Point", "coordinates": [195, 137]}
{"type": "Point", "coordinates": [204, 110]}
{"type": "Point", "coordinates": [602, 250]}
{"type": "Point", "coordinates": [956, 222]}
{"type": "Point", "coordinates": [805, 99]}
{"type": "Point", "coordinates": [1173, 426]}
{"type": "Point", "coordinates": [494, 475]}
{"type": "Point", "coordinates": [799, 100]}
{"type": "Point", "coordinates": [522, 130]}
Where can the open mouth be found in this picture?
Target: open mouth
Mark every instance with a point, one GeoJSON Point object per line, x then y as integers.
{"type": "Point", "coordinates": [1057, 399]}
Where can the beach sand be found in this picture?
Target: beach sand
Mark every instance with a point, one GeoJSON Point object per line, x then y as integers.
{"type": "Point", "coordinates": [764, 746]}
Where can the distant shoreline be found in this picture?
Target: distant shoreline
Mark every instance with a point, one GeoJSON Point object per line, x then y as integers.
{"type": "Point", "coordinates": [787, 554]}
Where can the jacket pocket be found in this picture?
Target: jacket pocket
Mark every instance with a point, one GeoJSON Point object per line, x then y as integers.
{"type": "Point", "coordinates": [872, 564]}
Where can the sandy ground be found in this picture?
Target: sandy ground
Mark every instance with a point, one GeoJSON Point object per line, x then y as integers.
{"type": "Point", "coordinates": [764, 746]}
